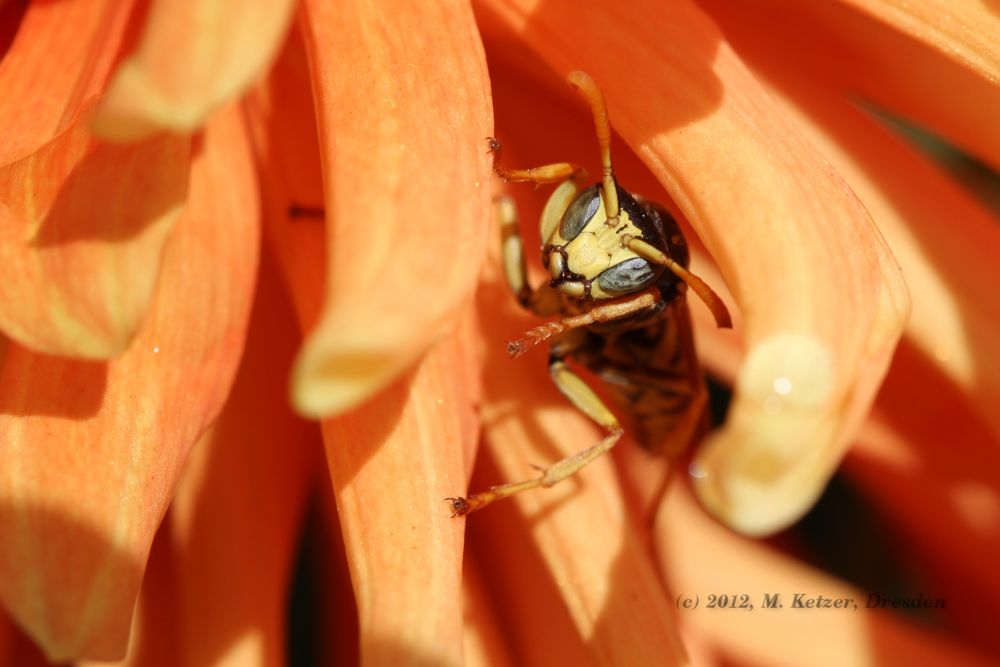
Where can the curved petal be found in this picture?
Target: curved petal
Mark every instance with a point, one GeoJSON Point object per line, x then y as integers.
{"type": "Point", "coordinates": [154, 640]}
{"type": "Point", "coordinates": [237, 513]}
{"type": "Point", "coordinates": [60, 57]}
{"type": "Point", "coordinates": [192, 58]}
{"type": "Point", "coordinates": [69, 205]}
{"type": "Point", "coordinates": [485, 641]}
{"type": "Point", "coordinates": [403, 102]}
{"type": "Point", "coordinates": [899, 56]}
{"type": "Point", "coordinates": [92, 450]}
{"type": "Point", "coordinates": [701, 557]}
{"type": "Point", "coordinates": [82, 230]}
{"type": "Point", "coordinates": [951, 268]}
{"type": "Point", "coordinates": [932, 467]}
{"type": "Point", "coordinates": [946, 242]}
{"type": "Point", "coordinates": [962, 30]}
{"type": "Point", "coordinates": [605, 577]}
{"type": "Point", "coordinates": [822, 298]}
{"type": "Point", "coordinates": [391, 462]}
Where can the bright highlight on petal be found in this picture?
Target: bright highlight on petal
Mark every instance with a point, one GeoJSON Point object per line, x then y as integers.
{"type": "Point", "coordinates": [92, 451]}
{"type": "Point", "coordinates": [402, 111]}
{"type": "Point", "coordinates": [193, 57]}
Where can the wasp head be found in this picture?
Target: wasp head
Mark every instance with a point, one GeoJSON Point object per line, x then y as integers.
{"type": "Point", "coordinates": [586, 254]}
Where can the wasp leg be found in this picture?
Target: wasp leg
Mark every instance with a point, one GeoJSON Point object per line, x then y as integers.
{"type": "Point", "coordinates": [614, 309]}
{"type": "Point", "coordinates": [549, 173]}
{"type": "Point", "coordinates": [512, 248]}
{"type": "Point", "coordinates": [704, 292]}
{"type": "Point", "coordinates": [543, 300]}
{"type": "Point", "coordinates": [585, 400]}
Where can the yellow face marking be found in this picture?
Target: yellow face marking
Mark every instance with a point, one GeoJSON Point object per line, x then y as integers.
{"type": "Point", "coordinates": [599, 246]}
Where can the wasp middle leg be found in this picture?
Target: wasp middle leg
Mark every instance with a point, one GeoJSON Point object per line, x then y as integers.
{"type": "Point", "coordinates": [542, 300]}
{"type": "Point", "coordinates": [584, 399]}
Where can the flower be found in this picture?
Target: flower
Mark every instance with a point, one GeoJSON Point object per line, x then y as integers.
{"type": "Point", "coordinates": [199, 201]}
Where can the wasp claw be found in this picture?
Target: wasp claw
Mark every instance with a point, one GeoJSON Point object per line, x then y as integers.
{"type": "Point", "coordinates": [494, 145]}
{"type": "Point", "coordinates": [515, 348]}
{"type": "Point", "coordinates": [459, 506]}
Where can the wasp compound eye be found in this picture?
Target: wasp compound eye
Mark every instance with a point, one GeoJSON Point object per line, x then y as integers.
{"type": "Point", "coordinates": [580, 212]}
{"type": "Point", "coordinates": [628, 276]}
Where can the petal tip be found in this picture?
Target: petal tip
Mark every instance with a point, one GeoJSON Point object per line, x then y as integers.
{"type": "Point", "coordinates": [328, 380]}
{"type": "Point", "coordinates": [772, 460]}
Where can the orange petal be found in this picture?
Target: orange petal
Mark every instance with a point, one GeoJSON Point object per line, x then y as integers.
{"type": "Point", "coordinates": [81, 238]}
{"type": "Point", "coordinates": [485, 641]}
{"type": "Point", "coordinates": [962, 30]}
{"type": "Point", "coordinates": [388, 481]}
{"type": "Point", "coordinates": [537, 624]}
{"type": "Point", "coordinates": [155, 639]}
{"type": "Point", "coordinates": [74, 206]}
{"type": "Point", "coordinates": [702, 558]}
{"type": "Point", "coordinates": [193, 57]}
{"type": "Point", "coordinates": [60, 57]}
{"type": "Point", "coordinates": [898, 55]}
{"type": "Point", "coordinates": [932, 467]}
{"type": "Point", "coordinates": [280, 112]}
{"type": "Point", "coordinates": [237, 514]}
{"type": "Point", "coordinates": [403, 110]}
{"type": "Point", "coordinates": [392, 461]}
{"type": "Point", "coordinates": [822, 298]}
{"type": "Point", "coordinates": [951, 267]}
{"type": "Point", "coordinates": [581, 526]}
{"type": "Point", "coordinates": [92, 450]}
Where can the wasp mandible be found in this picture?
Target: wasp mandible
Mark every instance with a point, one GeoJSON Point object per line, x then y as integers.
{"type": "Point", "coordinates": [619, 276]}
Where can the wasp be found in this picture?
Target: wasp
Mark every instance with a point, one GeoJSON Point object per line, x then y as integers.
{"type": "Point", "coordinates": [619, 279]}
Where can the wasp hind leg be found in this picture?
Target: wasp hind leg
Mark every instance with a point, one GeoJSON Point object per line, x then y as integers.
{"type": "Point", "coordinates": [585, 400]}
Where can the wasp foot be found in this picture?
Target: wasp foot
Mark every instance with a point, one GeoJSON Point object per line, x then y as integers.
{"type": "Point", "coordinates": [459, 506]}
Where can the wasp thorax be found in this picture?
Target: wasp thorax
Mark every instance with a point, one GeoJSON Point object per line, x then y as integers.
{"type": "Point", "coordinates": [586, 256]}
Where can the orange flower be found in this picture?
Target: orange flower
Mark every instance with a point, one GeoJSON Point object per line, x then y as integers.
{"type": "Point", "coordinates": [202, 202]}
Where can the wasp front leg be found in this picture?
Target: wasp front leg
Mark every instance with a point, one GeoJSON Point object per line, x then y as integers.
{"type": "Point", "coordinates": [548, 173]}
{"type": "Point", "coordinates": [614, 309]}
{"type": "Point", "coordinates": [585, 400]}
